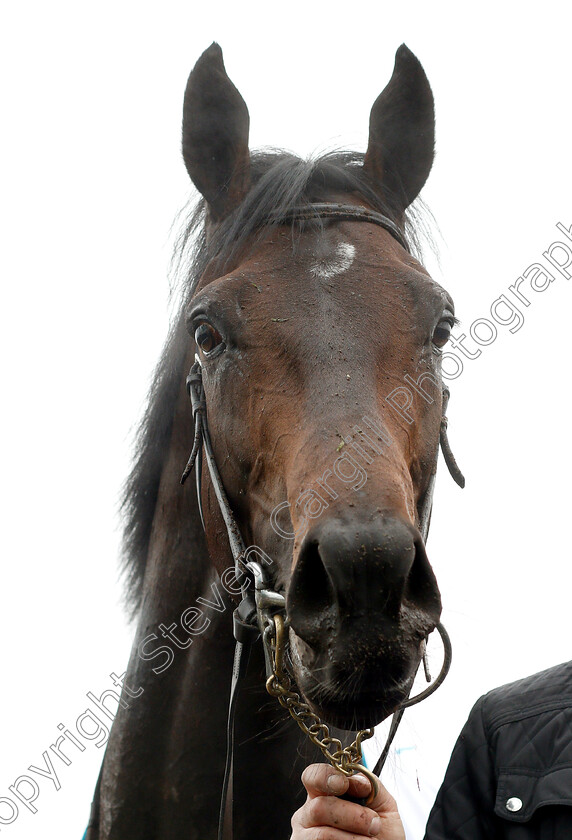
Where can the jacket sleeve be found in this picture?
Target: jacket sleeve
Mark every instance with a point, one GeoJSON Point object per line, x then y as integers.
{"type": "Point", "coordinates": [464, 807]}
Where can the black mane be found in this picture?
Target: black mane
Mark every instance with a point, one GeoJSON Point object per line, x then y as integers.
{"type": "Point", "coordinates": [280, 182]}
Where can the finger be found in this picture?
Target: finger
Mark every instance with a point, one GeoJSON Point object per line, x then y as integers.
{"type": "Point", "coordinates": [326, 833]}
{"type": "Point", "coordinates": [339, 813]}
{"type": "Point", "coordinates": [383, 802]}
{"type": "Point", "coordinates": [324, 780]}
{"type": "Point", "coordinates": [391, 827]}
{"type": "Point", "coordinates": [359, 786]}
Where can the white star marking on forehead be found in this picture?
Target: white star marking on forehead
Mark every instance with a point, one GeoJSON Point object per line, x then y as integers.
{"type": "Point", "coordinates": [337, 263]}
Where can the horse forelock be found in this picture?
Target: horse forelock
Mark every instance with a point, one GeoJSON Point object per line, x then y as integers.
{"type": "Point", "coordinates": [280, 182]}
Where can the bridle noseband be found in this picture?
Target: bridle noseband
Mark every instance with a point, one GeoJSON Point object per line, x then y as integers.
{"type": "Point", "coordinates": [262, 610]}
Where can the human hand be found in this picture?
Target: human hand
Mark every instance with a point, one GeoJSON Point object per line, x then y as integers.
{"type": "Point", "coordinates": [324, 816]}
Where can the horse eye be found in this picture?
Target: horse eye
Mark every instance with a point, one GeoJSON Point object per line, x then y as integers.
{"type": "Point", "coordinates": [442, 332]}
{"type": "Point", "coordinates": [207, 337]}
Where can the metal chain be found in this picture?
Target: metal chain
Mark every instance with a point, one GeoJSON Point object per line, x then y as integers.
{"type": "Point", "coordinates": [346, 759]}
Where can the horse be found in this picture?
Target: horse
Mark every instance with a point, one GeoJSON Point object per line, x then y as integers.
{"type": "Point", "coordinates": [314, 336]}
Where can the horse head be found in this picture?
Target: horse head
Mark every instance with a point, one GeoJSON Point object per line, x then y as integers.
{"type": "Point", "coordinates": [319, 336]}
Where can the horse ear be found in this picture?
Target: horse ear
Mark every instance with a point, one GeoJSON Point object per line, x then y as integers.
{"type": "Point", "coordinates": [402, 131]}
{"type": "Point", "coordinates": [215, 134]}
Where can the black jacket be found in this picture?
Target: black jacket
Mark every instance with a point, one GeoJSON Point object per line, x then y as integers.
{"type": "Point", "coordinates": [510, 774]}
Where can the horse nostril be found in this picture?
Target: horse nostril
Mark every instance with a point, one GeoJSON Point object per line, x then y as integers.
{"type": "Point", "coordinates": [310, 595]}
{"type": "Point", "coordinates": [421, 588]}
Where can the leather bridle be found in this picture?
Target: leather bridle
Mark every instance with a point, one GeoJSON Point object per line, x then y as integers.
{"type": "Point", "coordinates": [260, 605]}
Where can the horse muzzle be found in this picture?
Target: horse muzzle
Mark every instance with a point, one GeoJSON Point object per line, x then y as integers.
{"type": "Point", "coordinates": [361, 601]}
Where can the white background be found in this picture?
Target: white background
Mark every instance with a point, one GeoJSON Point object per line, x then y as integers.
{"type": "Point", "coordinates": [91, 182]}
